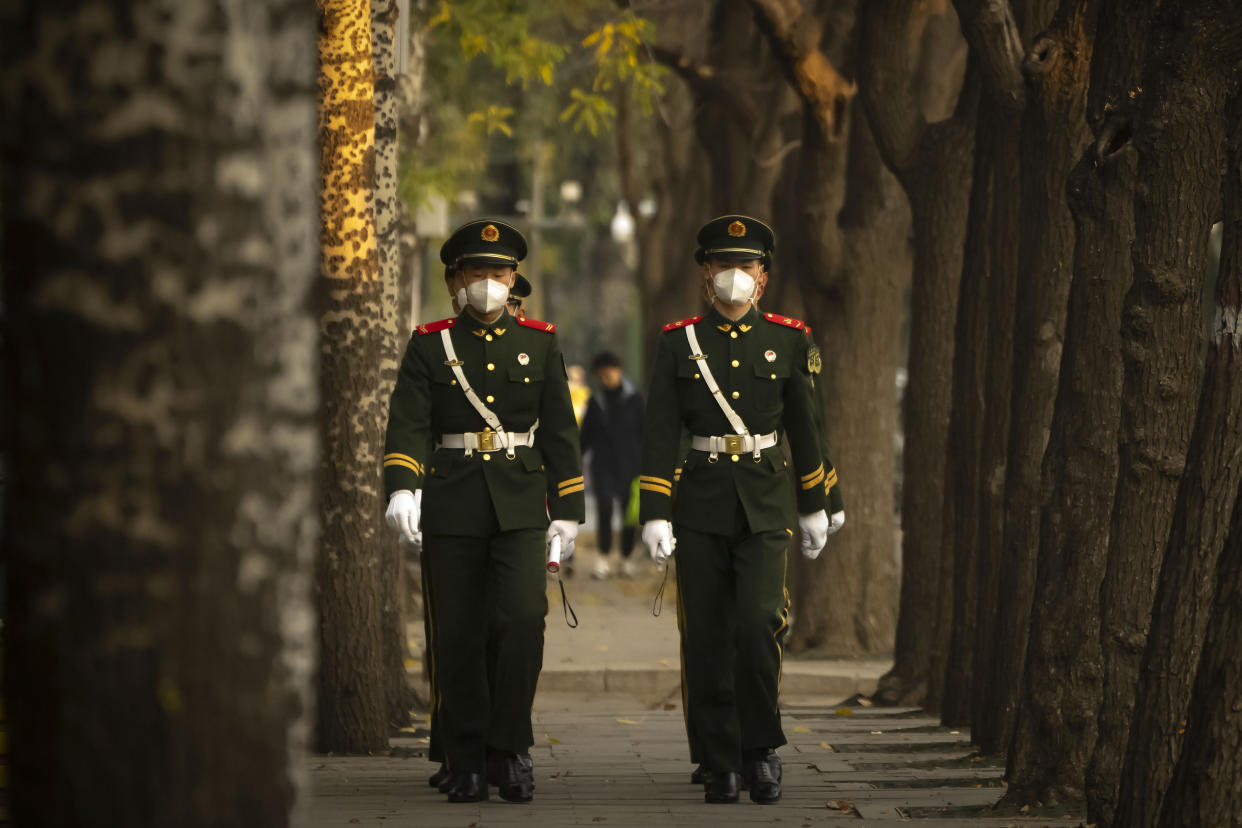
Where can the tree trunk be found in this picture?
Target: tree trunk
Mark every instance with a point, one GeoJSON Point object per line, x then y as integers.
{"type": "Point", "coordinates": [932, 163]}
{"type": "Point", "coordinates": [1190, 77]}
{"type": "Point", "coordinates": [1054, 134]}
{"type": "Point", "coordinates": [353, 700]}
{"type": "Point", "coordinates": [395, 315]}
{"type": "Point", "coordinates": [1055, 728]}
{"type": "Point", "coordinates": [1181, 144]}
{"type": "Point", "coordinates": [159, 245]}
{"type": "Point", "coordinates": [1204, 789]}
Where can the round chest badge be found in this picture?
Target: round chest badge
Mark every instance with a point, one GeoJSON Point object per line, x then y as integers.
{"type": "Point", "coordinates": [770, 356]}
{"type": "Point", "coordinates": [523, 359]}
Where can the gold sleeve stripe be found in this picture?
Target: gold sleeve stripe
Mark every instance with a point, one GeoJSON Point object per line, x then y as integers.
{"type": "Point", "coordinates": [573, 481]}
{"type": "Point", "coordinates": [398, 455]}
{"type": "Point", "coordinates": [830, 480]}
{"type": "Point", "coordinates": [815, 481]}
{"type": "Point", "coordinates": [568, 490]}
{"type": "Point", "coordinates": [676, 474]}
{"type": "Point", "coordinates": [396, 462]}
{"type": "Point", "coordinates": [655, 487]}
{"type": "Point", "coordinates": [646, 478]}
{"type": "Point", "coordinates": [818, 471]}
{"type": "Point", "coordinates": [790, 531]}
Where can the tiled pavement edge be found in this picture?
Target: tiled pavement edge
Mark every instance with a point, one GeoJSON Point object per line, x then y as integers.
{"type": "Point", "coordinates": [628, 766]}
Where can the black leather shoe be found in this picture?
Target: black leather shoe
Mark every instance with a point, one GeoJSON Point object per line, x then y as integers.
{"type": "Point", "coordinates": [514, 776]}
{"type": "Point", "coordinates": [722, 787]}
{"type": "Point", "coordinates": [468, 787]}
{"type": "Point", "coordinates": [700, 776]}
{"type": "Point", "coordinates": [763, 777]}
{"type": "Point", "coordinates": [439, 777]}
{"type": "Point", "coordinates": [446, 784]}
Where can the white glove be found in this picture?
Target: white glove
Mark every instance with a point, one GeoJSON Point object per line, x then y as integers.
{"type": "Point", "coordinates": [566, 530]}
{"type": "Point", "coordinates": [814, 533]}
{"type": "Point", "coordinates": [836, 521]}
{"type": "Point", "coordinates": [405, 508]}
{"type": "Point", "coordinates": [658, 536]}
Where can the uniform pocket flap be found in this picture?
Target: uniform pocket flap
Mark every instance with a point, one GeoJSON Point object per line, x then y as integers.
{"type": "Point", "coordinates": [526, 373]}
{"type": "Point", "coordinates": [531, 459]}
{"type": "Point", "coordinates": [771, 371]}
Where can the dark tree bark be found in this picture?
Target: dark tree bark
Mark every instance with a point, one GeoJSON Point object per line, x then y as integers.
{"type": "Point", "coordinates": [1056, 723]}
{"type": "Point", "coordinates": [1207, 49]}
{"type": "Point", "coordinates": [932, 164]}
{"type": "Point", "coordinates": [845, 213]}
{"type": "Point", "coordinates": [1187, 77]}
{"type": "Point", "coordinates": [1054, 133]}
{"type": "Point", "coordinates": [159, 249]}
{"type": "Point", "coordinates": [353, 695]}
{"type": "Point", "coordinates": [1204, 789]}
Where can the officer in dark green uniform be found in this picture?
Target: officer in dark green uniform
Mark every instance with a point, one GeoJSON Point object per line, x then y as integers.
{"type": "Point", "coordinates": [738, 380]}
{"type": "Point", "coordinates": [481, 434]}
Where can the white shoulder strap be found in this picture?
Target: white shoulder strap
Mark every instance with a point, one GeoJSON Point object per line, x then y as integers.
{"type": "Point", "coordinates": [453, 362]}
{"type": "Point", "coordinates": [696, 353]}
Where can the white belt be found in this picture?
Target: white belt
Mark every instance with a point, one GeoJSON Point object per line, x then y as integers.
{"type": "Point", "coordinates": [488, 440]}
{"type": "Point", "coordinates": [734, 443]}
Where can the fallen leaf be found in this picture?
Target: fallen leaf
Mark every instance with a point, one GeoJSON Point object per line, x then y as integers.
{"type": "Point", "coordinates": [877, 733]}
{"type": "Point", "coordinates": [670, 707]}
{"type": "Point", "coordinates": [666, 662]}
{"type": "Point", "coordinates": [955, 733]}
{"type": "Point", "coordinates": [1025, 809]}
{"type": "Point", "coordinates": [827, 746]}
{"type": "Point", "coordinates": [801, 729]}
{"type": "Point", "coordinates": [844, 711]}
{"type": "Point", "coordinates": [626, 721]}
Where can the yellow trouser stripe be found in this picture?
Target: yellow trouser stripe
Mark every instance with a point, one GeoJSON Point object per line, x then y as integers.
{"type": "Point", "coordinates": [571, 489]}
{"type": "Point", "coordinates": [652, 487]}
{"type": "Point", "coordinates": [411, 466]}
{"type": "Point", "coordinates": [818, 470]}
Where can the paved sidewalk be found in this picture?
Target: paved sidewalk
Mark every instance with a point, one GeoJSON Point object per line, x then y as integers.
{"type": "Point", "coordinates": [614, 762]}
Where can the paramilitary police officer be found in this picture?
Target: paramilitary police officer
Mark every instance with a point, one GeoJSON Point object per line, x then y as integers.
{"type": "Point", "coordinates": [481, 434]}
{"type": "Point", "coordinates": [737, 380]}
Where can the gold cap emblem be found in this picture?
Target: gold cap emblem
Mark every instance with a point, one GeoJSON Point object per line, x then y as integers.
{"type": "Point", "coordinates": [490, 233]}
{"type": "Point", "coordinates": [737, 229]}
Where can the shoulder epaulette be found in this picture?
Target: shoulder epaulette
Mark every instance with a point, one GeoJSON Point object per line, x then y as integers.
{"type": "Point", "coordinates": [435, 327]}
{"type": "Point", "coordinates": [787, 321]}
{"type": "Point", "coordinates": [546, 327]}
{"type": "Point", "coordinates": [672, 326]}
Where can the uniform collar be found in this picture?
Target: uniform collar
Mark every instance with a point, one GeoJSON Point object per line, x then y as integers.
{"type": "Point", "coordinates": [742, 325]}
{"type": "Point", "coordinates": [498, 326]}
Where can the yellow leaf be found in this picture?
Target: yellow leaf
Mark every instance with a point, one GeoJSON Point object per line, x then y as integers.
{"type": "Point", "coordinates": [626, 721]}
{"type": "Point", "coordinates": [442, 16]}
{"type": "Point", "coordinates": [801, 729]}
{"type": "Point", "coordinates": [844, 711]}
{"type": "Point", "coordinates": [591, 39]}
{"type": "Point", "coordinates": [545, 72]}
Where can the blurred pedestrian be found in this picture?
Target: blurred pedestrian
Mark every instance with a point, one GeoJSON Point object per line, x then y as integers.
{"type": "Point", "coordinates": [612, 436]}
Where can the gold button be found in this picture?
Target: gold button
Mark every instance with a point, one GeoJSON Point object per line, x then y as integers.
{"type": "Point", "coordinates": [737, 394]}
{"type": "Point", "coordinates": [734, 457]}
{"type": "Point", "coordinates": [487, 457]}
{"type": "Point", "coordinates": [488, 337]}
{"type": "Point", "coordinates": [733, 335]}
{"type": "Point", "coordinates": [525, 379]}
{"type": "Point", "coordinates": [774, 376]}
{"type": "Point", "coordinates": [736, 363]}
{"type": "Point", "coordinates": [452, 382]}
{"type": "Point", "coordinates": [490, 398]}
{"type": "Point", "coordinates": [491, 366]}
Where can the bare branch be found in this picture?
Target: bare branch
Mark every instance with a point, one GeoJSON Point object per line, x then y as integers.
{"type": "Point", "coordinates": [795, 36]}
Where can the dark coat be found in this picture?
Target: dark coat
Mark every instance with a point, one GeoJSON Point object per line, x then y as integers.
{"type": "Point", "coordinates": [612, 433]}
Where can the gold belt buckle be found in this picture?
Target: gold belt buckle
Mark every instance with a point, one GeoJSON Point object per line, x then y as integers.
{"type": "Point", "coordinates": [733, 444]}
{"type": "Point", "coordinates": [487, 440]}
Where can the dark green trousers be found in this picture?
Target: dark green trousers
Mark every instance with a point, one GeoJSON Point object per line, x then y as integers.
{"type": "Point", "coordinates": [486, 594]}
{"type": "Point", "coordinates": [734, 611]}
{"type": "Point", "coordinates": [435, 751]}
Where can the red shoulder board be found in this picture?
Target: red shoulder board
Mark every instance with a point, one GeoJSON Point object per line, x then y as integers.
{"type": "Point", "coordinates": [788, 322]}
{"type": "Point", "coordinates": [434, 327]}
{"type": "Point", "coordinates": [526, 322]}
{"type": "Point", "coordinates": [672, 326]}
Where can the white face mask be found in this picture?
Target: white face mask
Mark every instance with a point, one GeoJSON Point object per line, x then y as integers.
{"type": "Point", "coordinates": [734, 286]}
{"type": "Point", "coordinates": [486, 296]}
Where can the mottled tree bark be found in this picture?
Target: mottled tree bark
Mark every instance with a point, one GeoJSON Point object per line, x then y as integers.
{"type": "Point", "coordinates": [395, 315]}
{"type": "Point", "coordinates": [159, 246]}
{"type": "Point", "coordinates": [1192, 74]}
{"type": "Point", "coordinates": [1187, 77]}
{"type": "Point", "coordinates": [1054, 133]}
{"type": "Point", "coordinates": [1056, 722]}
{"type": "Point", "coordinates": [352, 693]}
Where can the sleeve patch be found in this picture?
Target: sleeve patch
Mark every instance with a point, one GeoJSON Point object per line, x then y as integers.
{"type": "Point", "coordinates": [814, 362]}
